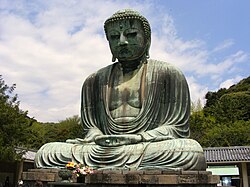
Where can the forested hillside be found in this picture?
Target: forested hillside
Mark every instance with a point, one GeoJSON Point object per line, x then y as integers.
{"type": "Point", "coordinates": [225, 118]}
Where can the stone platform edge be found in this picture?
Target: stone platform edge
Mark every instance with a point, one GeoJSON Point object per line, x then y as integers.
{"type": "Point", "coordinates": [45, 175]}
{"type": "Point", "coordinates": [152, 177]}
{"type": "Point", "coordinates": [129, 177]}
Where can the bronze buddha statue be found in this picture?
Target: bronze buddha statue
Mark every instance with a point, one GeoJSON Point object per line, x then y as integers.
{"type": "Point", "coordinates": [135, 112]}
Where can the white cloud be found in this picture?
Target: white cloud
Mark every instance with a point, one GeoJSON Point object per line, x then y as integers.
{"type": "Point", "coordinates": [48, 48]}
{"type": "Point", "coordinates": [197, 91]}
{"type": "Point", "coordinates": [229, 82]}
{"type": "Point", "coordinates": [226, 44]}
{"type": "Point", "coordinates": [224, 65]}
{"type": "Point", "coordinates": [49, 55]}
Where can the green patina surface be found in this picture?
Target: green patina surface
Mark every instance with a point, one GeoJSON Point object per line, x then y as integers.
{"type": "Point", "coordinates": [135, 111]}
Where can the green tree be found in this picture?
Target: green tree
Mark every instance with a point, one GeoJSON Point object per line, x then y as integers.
{"type": "Point", "coordinates": [196, 106]}
{"type": "Point", "coordinates": [199, 125]}
{"type": "Point", "coordinates": [34, 135]}
{"type": "Point", "coordinates": [227, 134]}
{"type": "Point", "coordinates": [13, 122]}
{"type": "Point", "coordinates": [225, 119]}
{"type": "Point", "coordinates": [230, 104]}
{"type": "Point", "coordinates": [69, 128]}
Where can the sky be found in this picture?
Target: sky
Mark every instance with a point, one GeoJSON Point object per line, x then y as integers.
{"type": "Point", "coordinates": [49, 47]}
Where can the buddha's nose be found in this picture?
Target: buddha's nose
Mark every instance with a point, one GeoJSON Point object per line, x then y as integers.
{"type": "Point", "coordinates": [123, 40]}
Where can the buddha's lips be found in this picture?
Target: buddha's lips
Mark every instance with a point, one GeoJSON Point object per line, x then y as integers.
{"type": "Point", "coordinates": [123, 50]}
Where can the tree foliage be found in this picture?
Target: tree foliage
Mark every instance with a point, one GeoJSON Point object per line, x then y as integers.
{"type": "Point", "coordinates": [41, 133]}
{"type": "Point", "coordinates": [69, 128]}
{"type": "Point", "coordinates": [225, 119]}
{"type": "Point", "coordinates": [13, 122]}
{"type": "Point", "coordinates": [18, 130]}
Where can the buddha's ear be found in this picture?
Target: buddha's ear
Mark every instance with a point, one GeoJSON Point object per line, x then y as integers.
{"type": "Point", "coordinates": [147, 48]}
{"type": "Point", "coordinates": [147, 54]}
{"type": "Point", "coordinates": [113, 58]}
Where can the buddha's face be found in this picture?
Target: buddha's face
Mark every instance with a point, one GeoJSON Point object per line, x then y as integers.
{"type": "Point", "coordinates": [126, 39]}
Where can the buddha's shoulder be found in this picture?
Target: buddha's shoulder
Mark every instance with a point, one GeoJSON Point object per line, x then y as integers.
{"type": "Point", "coordinates": [101, 73]}
{"type": "Point", "coordinates": [161, 65]}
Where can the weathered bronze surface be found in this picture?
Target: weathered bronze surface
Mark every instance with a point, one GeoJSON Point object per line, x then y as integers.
{"type": "Point", "coordinates": [135, 112]}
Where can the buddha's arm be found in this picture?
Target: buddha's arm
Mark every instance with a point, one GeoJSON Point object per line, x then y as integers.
{"type": "Point", "coordinates": [89, 138]}
{"type": "Point", "coordinates": [86, 114]}
{"type": "Point", "coordinates": [159, 134]}
{"type": "Point", "coordinates": [170, 106]}
{"type": "Point", "coordinates": [92, 134]}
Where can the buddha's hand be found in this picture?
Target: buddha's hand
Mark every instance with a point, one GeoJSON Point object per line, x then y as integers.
{"type": "Point", "coordinates": [89, 138]}
{"type": "Point", "coordinates": [91, 135]}
{"type": "Point", "coordinates": [117, 140]}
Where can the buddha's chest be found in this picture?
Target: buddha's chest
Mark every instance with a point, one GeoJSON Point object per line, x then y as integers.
{"type": "Point", "coordinates": [126, 90]}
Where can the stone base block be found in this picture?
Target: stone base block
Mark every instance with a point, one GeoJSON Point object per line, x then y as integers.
{"type": "Point", "coordinates": [42, 175]}
{"type": "Point", "coordinates": [152, 178]}
{"type": "Point", "coordinates": [47, 175]}
{"type": "Point", "coordinates": [61, 184]}
{"type": "Point", "coordinates": [127, 178]}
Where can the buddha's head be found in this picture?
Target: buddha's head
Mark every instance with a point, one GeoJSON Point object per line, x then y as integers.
{"type": "Point", "coordinates": [129, 35]}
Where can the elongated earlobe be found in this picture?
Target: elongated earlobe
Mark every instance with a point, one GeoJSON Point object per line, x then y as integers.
{"type": "Point", "coordinates": [113, 58]}
{"type": "Point", "coordinates": [147, 49]}
{"type": "Point", "coordinates": [147, 54]}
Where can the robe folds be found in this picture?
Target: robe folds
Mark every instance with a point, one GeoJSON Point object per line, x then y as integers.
{"type": "Point", "coordinates": [162, 122]}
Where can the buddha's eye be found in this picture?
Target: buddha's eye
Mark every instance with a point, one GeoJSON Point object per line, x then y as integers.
{"type": "Point", "coordinates": [114, 36]}
{"type": "Point", "coordinates": [131, 34]}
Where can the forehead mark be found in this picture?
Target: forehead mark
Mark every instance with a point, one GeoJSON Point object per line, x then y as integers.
{"type": "Point", "coordinates": [124, 25]}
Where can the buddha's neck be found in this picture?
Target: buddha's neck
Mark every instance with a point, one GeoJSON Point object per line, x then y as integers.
{"type": "Point", "coordinates": [130, 66]}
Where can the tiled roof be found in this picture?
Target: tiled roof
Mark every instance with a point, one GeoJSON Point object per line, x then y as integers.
{"type": "Point", "coordinates": [26, 154]}
{"type": "Point", "coordinates": [227, 154]}
{"type": "Point", "coordinates": [29, 155]}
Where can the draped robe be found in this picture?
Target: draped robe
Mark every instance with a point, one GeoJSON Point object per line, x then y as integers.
{"type": "Point", "coordinates": [162, 122]}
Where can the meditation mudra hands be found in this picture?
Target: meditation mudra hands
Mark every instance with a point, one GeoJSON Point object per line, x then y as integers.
{"type": "Point", "coordinates": [96, 136]}
{"type": "Point", "coordinates": [109, 140]}
{"type": "Point", "coordinates": [117, 140]}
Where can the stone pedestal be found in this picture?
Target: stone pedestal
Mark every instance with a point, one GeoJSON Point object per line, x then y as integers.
{"type": "Point", "coordinates": [43, 175]}
{"type": "Point", "coordinates": [152, 178]}
{"type": "Point", "coordinates": [126, 178]}
{"type": "Point", "coordinates": [63, 184]}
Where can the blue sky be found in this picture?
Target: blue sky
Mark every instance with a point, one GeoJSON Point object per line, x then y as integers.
{"type": "Point", "coordinates": [48, 48]}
